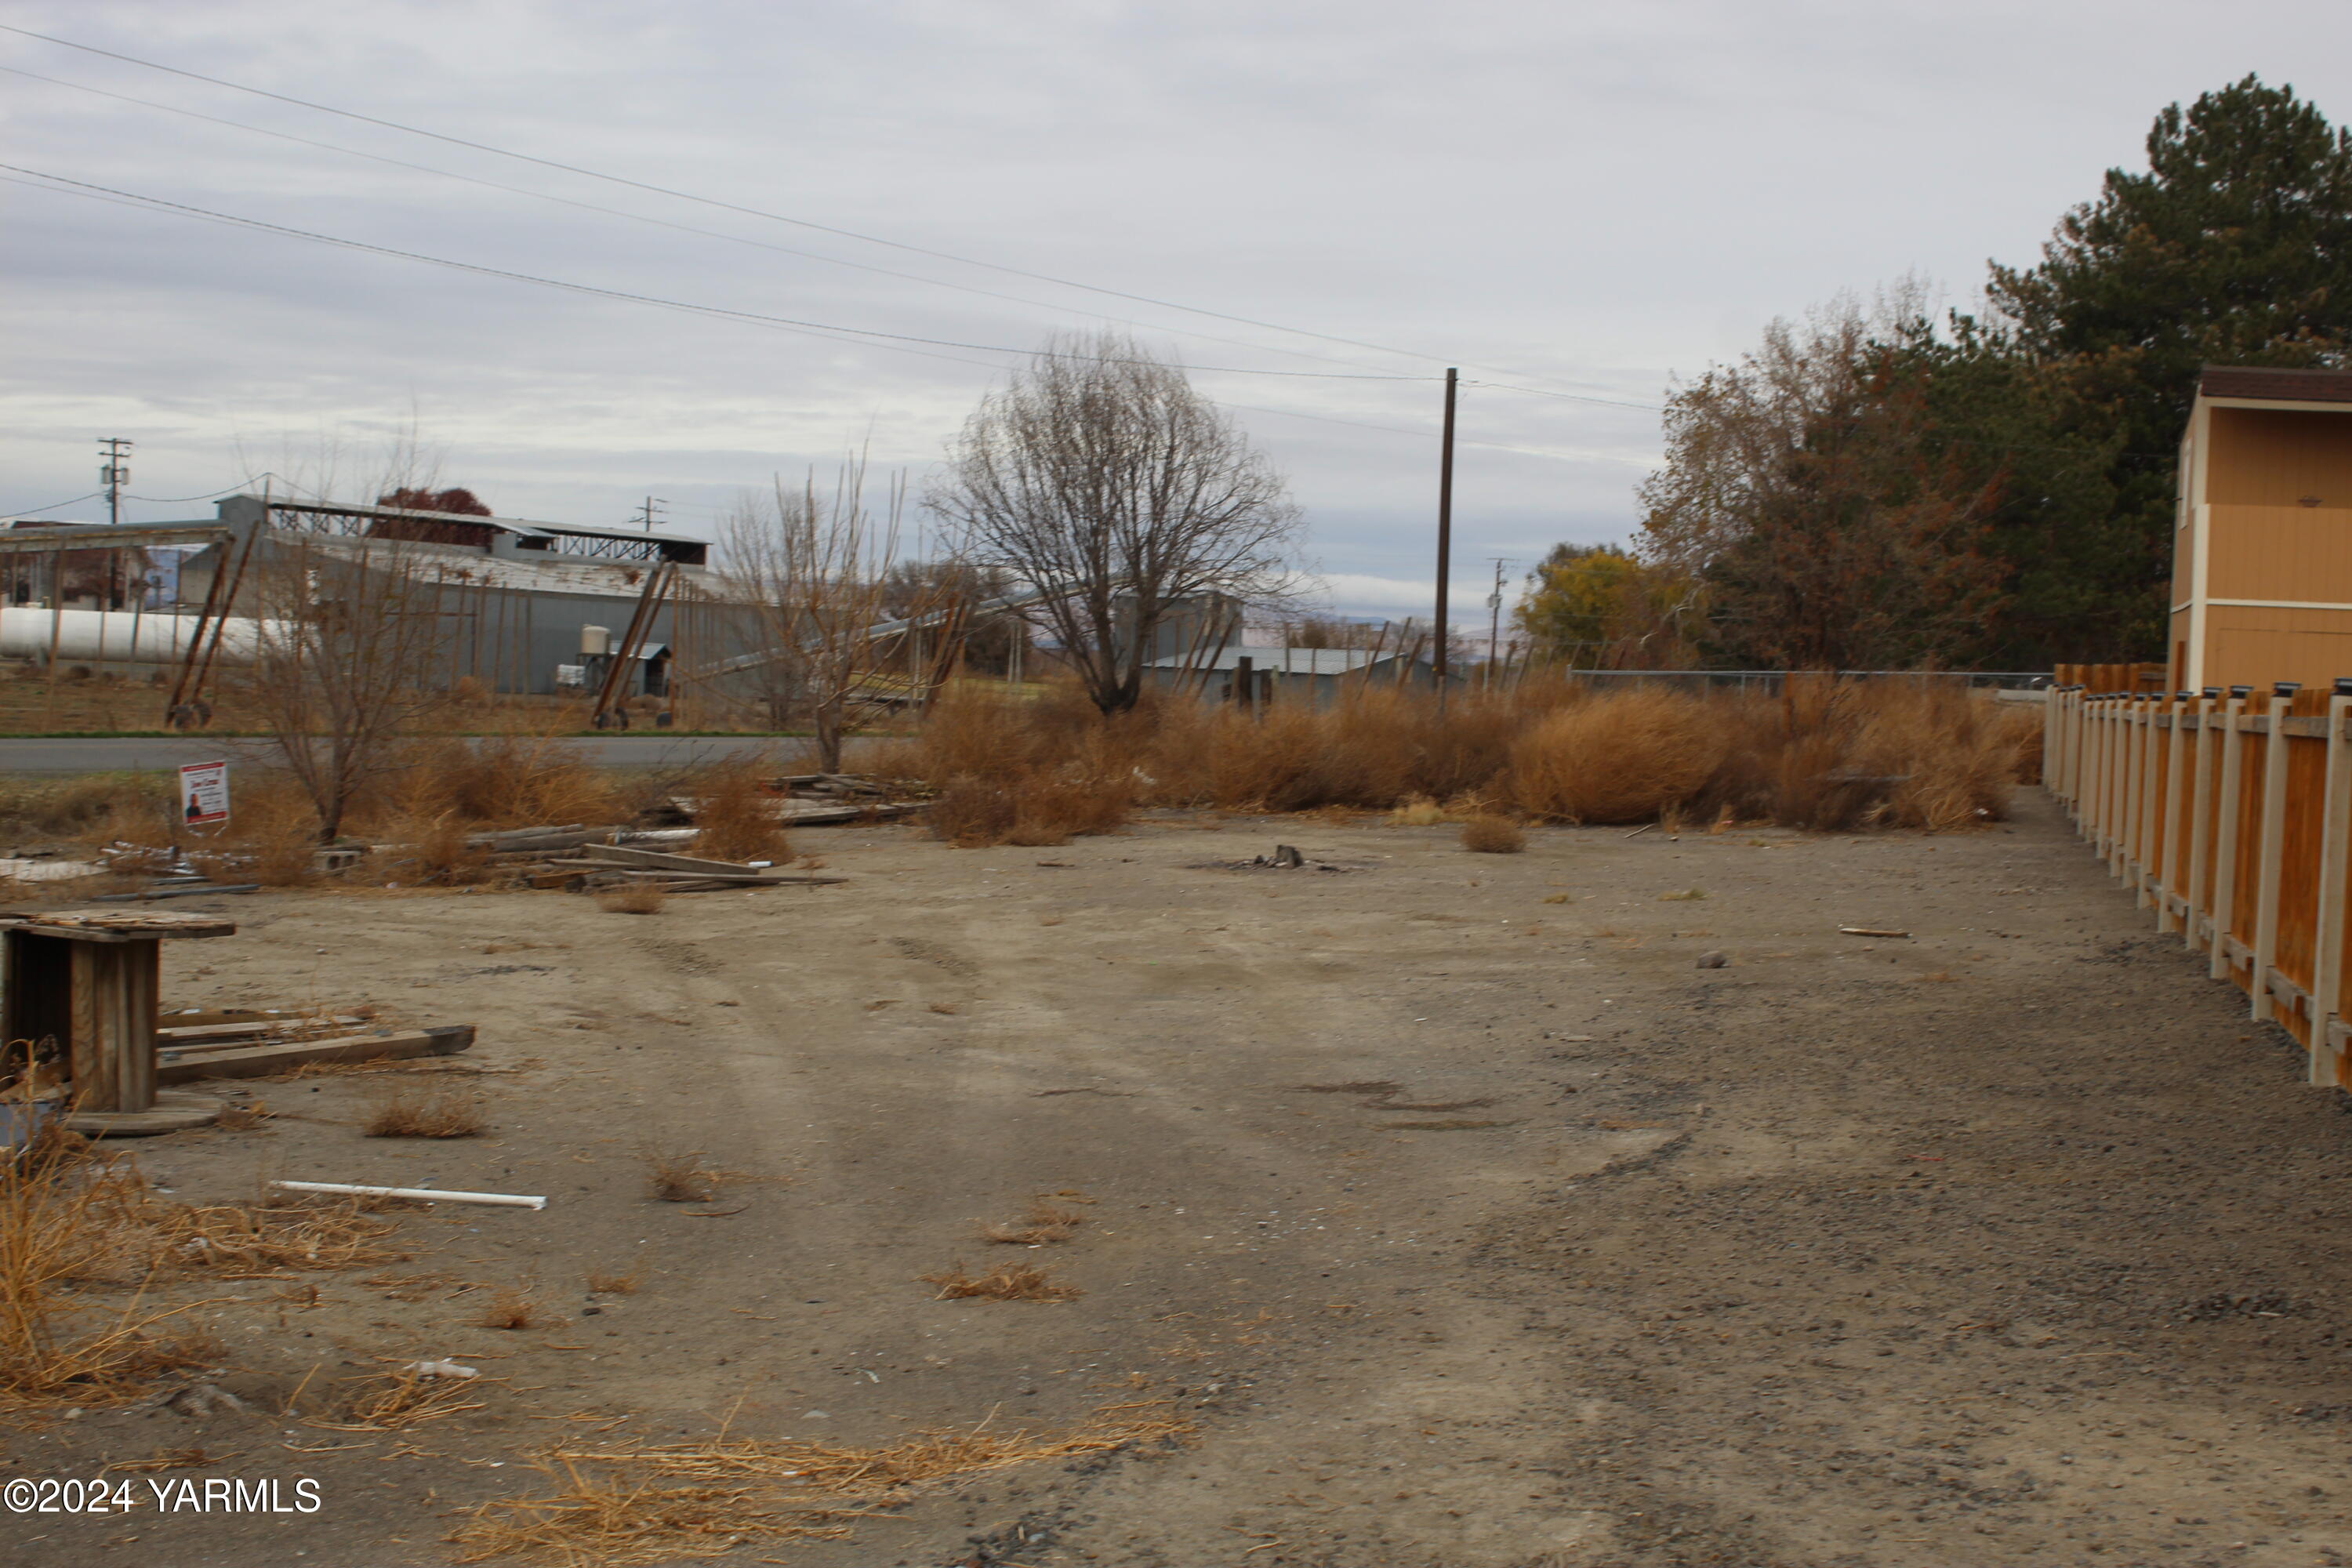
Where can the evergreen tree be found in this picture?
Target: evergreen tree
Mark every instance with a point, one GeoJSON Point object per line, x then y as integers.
{"type": "Point", "coordinates": [2234, 247]}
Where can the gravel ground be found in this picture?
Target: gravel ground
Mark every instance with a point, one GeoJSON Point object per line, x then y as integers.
{"type": "Point", "coordinates": [1472, 1211]}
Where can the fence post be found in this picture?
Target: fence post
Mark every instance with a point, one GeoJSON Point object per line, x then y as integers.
{"type": "Point", "coordinates": [2147, 841]}
{"type": "Point", "coordinates": [2201, 826]}
{"type": "Point", "coordinates": [2078, 761]}
{"type": "Point", "coordinates": [2101, 728]}
{"type": "Point", "coordinates": [2126, 792]}
{"type": "Point", "coordinates": [2225, 824]}
{"type": "Point", "coordinates": [2069, 712]}
{"type": "Point", "coordinates": [2094, 772]}
{"type": "Point", "coordinates": [2170, 848]}
{"type": "Point", "coordinates": [2273, 845]}
{"type": "Point", "coordinates": [2334, 839]}
{"type": "Point", "coordinates": [2105, 711]}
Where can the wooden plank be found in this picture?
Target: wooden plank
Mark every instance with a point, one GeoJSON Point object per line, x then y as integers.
{"type": "Point", "coordinates": [2172, 855]}
{"type": "Point", "coordinates": [254, 1061]}
{"type": "Point", "coordinates": [2273, 846]}
{"type": "Point", "coordinates": [2327, 943]}
{"type": "Point", "coordinates": [2202, 757]}
{"type": "Point", "coordinates": [201, 1034]}
{"type": "Point", "coordinates": [124, 925]}
{"type": "Point", "coordinates": [629, 855]}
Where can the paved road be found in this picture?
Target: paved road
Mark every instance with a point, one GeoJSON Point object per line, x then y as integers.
{"type": "Point", "coordinates": [115, 754]}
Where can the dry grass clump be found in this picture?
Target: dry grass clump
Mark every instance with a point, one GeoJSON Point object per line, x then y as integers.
{"type": "Point", "coordinates": [511, 781]}
{"type": "Point", "coordinates": [632, 899]}
{"type": "Point", "coordinates": [1051, 806]}
{"type": "Point", "coordinates": [633, 1505]}
{"type": "Point", "coordinates": [265, 1241]}
{"type": "Point", "coordinates": [1622, 757]}
{"type": "Point", "coordinates": [1418, 811]}
{"type": "Point", "coordinates": [413, 1112]}
{"type": "Point", "coordinates": [1005, 1282]}
{"type": "Point", "coordinates": [1958, 756]}
{"type": "Point", "coordinates": [1488, 834]}
{"type": "Point", "coordinates": [69, 1215]}
{"type": "Point", "coordinates": [1030, 772]}
{"type": "Point", "coordinates": [75, 1220]}
{"type": "Point", "coordinates": [735, 814]}
{"type": "Point", "coordinates": [509, 1309]}
{"type": "Point", "coordinates": [607, 1282]}
{"type": "Point", "coordinates": [1043, 1224]}
{"type": "Point", "coordinates": [680, 1177]}
{"type": "Point", "coordinates": [396, 1401]}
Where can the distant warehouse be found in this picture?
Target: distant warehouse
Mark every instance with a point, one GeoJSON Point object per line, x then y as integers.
{"type": "Point", "coordinates": [526, 607]}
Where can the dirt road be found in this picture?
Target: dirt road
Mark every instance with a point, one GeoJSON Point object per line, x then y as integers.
{"type": "Point", "coordinates": [1471, 1219]}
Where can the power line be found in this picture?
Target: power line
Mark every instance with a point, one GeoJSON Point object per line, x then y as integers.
{"type": "Point", "coordinates": [1430, 434]}
{"type": "Point", "coordinates": [790, 323]}
{"type": "Point", "coordinates": [52, 506]}
{"type": "Point", "coordinates": [208, 495]}
{"type": "Point", "coordinates": [731, 206]}
{"type": "Point", "coordinates": [1567, 397]}
{"type": "Point", "coordinates": [655, 222]}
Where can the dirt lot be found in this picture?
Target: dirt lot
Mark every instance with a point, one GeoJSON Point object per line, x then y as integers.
{"type": "Point", "coordinates": [2011, 1243]}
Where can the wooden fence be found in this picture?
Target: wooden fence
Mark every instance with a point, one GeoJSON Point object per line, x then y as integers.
{"type": "Point", "coordinates": [2229, 816]}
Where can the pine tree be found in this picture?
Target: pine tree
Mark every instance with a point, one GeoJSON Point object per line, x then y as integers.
{"type": "Point", "coordinates": [2233, 247]}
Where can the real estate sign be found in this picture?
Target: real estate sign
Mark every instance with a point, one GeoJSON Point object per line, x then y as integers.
{"type": "Point", "coordinates": [204, 794]}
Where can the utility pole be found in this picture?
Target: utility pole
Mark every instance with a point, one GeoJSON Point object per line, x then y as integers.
{"type": "Point", "coordinates": [1494, 616]}
{"type": "Point", "coordinates": [645, 515]}
{"type": "Point", "coordinates": [1444, 530]}
{"type": "Point", "coordinates": [115, 473]}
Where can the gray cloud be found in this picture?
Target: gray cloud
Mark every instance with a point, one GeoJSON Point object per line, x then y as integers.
{"type": "Point", "coordinates": [1591, 198]}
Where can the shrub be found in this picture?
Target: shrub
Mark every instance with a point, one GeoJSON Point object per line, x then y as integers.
{"type": "Point", "coordinates": [632, 899]}
{"type": "Point", "coordinates": [1624, 757]}
{"type": "Point", "coordinates": [735, 814]}
{"type": "Point", "coordinates": [1485, 834]}
{"type": "Point", "coordinates": [426, 1113]}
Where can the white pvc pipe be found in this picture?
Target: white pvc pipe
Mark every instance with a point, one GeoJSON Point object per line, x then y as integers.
{"type": "Point", "coordinates": [428, 1195]}
{"type": "Point", "coordinates": [118, 636]}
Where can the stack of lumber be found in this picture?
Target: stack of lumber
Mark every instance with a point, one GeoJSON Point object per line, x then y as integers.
{"type": "Point", "coordinates": [613, 865]}
{"type": "Point", "coordinates": [250, 1044]}
{"type": "Point", "coordinates": [812, 800]}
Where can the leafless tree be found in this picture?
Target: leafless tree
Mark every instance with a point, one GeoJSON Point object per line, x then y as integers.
{"type": "Point", "coordinates": [817, 569]}
{"type": "Point", "coordinates": [1101, 479]}
{"type": "Point", "coordinates": [350, 651]}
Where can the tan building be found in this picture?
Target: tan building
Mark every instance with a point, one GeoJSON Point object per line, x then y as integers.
{"type": "Point", "coordinates": [2262, 560]}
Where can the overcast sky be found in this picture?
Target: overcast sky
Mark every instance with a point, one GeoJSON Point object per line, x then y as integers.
{"type": "Point", "coordinates": [1591, 199]}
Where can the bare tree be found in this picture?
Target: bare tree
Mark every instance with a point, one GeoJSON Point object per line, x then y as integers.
{"type": "Point", "coordinates": [1101, 479]}
{"type": "Point", "coordinates": [350, 645]}
{"type": "Point", "coordinates": [817, 571]}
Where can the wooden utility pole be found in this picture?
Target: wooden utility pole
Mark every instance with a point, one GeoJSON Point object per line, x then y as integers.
{"type": "Point", "coordinates": [1494, 617]}
{"type": "Point", "coordinates": [1445, 528]}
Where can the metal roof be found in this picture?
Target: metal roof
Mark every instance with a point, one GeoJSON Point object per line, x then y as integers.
{"type": "Point", "coordinates": [1283, 660]}
{"type": "Point", "coordinates": [503, 524]}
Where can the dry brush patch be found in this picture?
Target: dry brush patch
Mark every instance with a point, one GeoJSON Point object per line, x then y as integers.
{"type": "Point", "coordinates": [396, 1401]}
{"type": "Point", "coordinates": [1043, 1224]}
{"type": "Point", "coordinates": [1487, 835]}
{"type": "Point", "coordinates": [412, 1112]}
{"type": "Point", "coordinates": [735, 814]}
{"type": "Point", "coordinates": [76, 1222]}
{"type": "Point", "coordinates": [1005, 1282]}
{"type": "Point", "coordinates": [633, 899]}
{"type": "Point", "coordinates": [633, 1504]}
{"type": "Point", "coordinates": [1822, 754]}
{"type": "Point", "coordinates": [680, 1177]}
